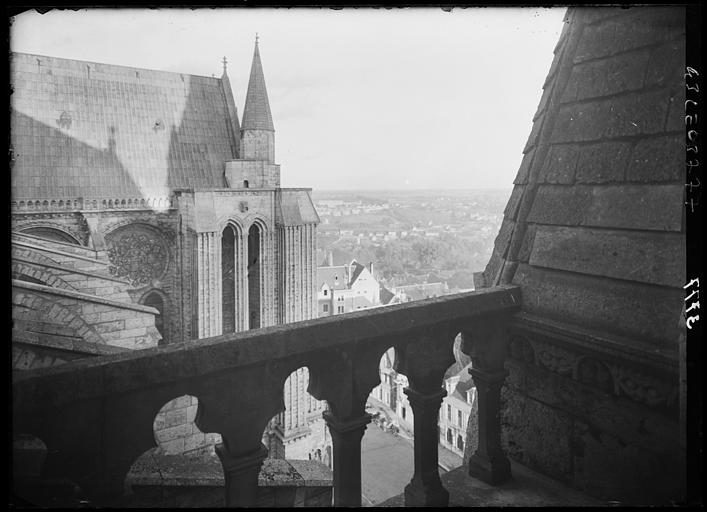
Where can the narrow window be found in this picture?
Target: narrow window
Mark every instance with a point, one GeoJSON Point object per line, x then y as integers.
{"type": "Point", "coordinates": [245, 184]}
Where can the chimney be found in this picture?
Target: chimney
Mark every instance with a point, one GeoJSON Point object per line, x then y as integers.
{"type": "Point", "coordinates": [370, 267]}
{"type": "Point", "coordinates": [330, 258]}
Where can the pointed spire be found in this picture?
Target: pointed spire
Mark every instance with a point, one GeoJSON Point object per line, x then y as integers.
{"type": "Point", "coordinates": [256, 113]}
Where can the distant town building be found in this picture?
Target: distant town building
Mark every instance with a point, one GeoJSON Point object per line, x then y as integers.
{"type": "Point", "coordinates": [345, 288]}
{"type": "Point", "coordinates": [420, 291]}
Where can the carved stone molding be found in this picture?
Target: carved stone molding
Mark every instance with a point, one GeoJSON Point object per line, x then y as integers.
{"type": "Point", "coordinates": [60, 222]}
{"type": "Point", "coordinates": [615, 376]}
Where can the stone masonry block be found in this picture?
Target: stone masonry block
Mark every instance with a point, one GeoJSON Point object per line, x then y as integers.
{"type": "Point", "coordinates": [649, 207]}
{"type": "Point", "coordinates": [645, 313]}
{"type": "Point", "coordinates": [534, 134]}
{"type": "Point", "coordinates": [676, 113]}
{"type": "Point", "coordinates": [528, 242]}
{"type": "Point", "coordinates": [613, 469]}
{"type": "Point", "coordinates": [512, 206]}
{"type": "Point", "coordinates": [558, 204]}
{"type": "Point", "coordinates": [105, 327]}
{"type": "Point", "coordinates": [139, 321]}
{"type": "Point", "coordinates": [581, 122]}
{"type": "Point", "coordinates": [543, 103]}
{"type": "Point", "coordinates": [590, 79]}
{"type": "Point", "coordinates": [658, 159]}
{"type": "Point", "coordinates": [524, 170]}
{"type": "Point", "coordinates": [653, 258]}
{"type": "Point", "coordinates": [625, 72]}
{"type": "Point", "coordinates": [175, 417]}
{"type": "Point", "coordinates": [194, 442]}
{"type": "Point", "coordinates": [637, 114]}
{"type": "Point", "coordinates": [560, 164]}
{"type": "Point", "coordinates": [173, 447]}
{"type": "Point", "coordinates": [171, 433]}
{"type": "Point", "coordinates": [536, 435]}
{"type": "Point", "coordinates": [159, 422]}
{"type": "Point", "coordinates": [666, 64]}
{"type": "Point", "coordinates": [596, 41]}
{"type": "Point", "coordinates": [603, 162]}
{"type": "Point", "coordinates": [644, 27]}
{"type": "Point", "coordinates": [191, 413]}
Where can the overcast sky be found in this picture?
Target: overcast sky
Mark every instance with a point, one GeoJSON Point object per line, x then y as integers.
{"type": "Point", "coordinates": [361, 98]}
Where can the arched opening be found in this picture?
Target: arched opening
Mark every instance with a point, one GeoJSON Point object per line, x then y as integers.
{"type": "Point", "coordinates": [53, 234]}
{"type": "Point", "coordinates": [254, 273]}
{"type": "Point", "coordinates": [246, 184]}
{"type": "Point", "coordinates": [299, 432]}
{"type": "Point", "coordinates": [154, 300]}
{"type": "Point", "coordinates": [228, 280]}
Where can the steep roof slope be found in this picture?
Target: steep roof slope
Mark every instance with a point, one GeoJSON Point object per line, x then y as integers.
{"type": "Point", "coordinates": [256, 112]}
{"type": "Point", "coordinates": [85, 129]}
{"type": "Point", "coordinates": [594, 231]}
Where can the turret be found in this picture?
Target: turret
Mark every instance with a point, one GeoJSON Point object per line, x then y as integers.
{"type": "Point", "coordinates": [256, 166]}
{"type": "Point", "coordinates": [257, 130]}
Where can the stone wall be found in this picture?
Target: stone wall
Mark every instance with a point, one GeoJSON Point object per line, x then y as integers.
{"type": "Point", "coordinates": [594, 235]}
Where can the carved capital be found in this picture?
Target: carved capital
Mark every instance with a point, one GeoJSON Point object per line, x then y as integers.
{"type": "Point", "coordinates": [241, 475]}
{"type": "Point", "coordinates": [487, 341]}
{"type": "Point", "coordinates": [425, 360]}
{"type": "Point", "coordinates": [235, 465]}
{"type": "Point", "coordinates": [345, 378]}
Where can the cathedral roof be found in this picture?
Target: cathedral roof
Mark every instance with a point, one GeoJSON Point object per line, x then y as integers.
{"type": "Point", "coordinates": [256, 113]}
{"type": "Point", "coordinates": [86, 129]}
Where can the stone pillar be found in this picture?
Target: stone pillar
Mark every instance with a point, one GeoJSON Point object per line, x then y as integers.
{"type": "Point", "coordinates": [241, 475]}
{"type": "Point", "coordinates": [209, 283]}
{"type": "Point", "coordinates": [424, 362]}
{"type": "Point", "coordinates": [93, 221]}
{"type": "Point", "coordinates": [346, 437]}
{"type": "Point", "coordinates": [425, 489]}
{"type": "Point", "coordinates": [489, 463]}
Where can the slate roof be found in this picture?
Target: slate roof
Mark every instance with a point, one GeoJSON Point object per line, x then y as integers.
{"type": "Point", "coordinates": [256, 113]}
{"type": "Point", "coordinates": [328, 275]}
{"type": "Point", "coordinates": [422, 291]}
{"type": "Point", "coordinates": [386, 295]}
{"type": "Point", "coordinates": [294, 208]}
{"type": "Point", "coordinates": [87, 129]}
{"type": "Point", "coordinates": [594, 230]}
{"type": "Point", "coordinates": [357, 269]}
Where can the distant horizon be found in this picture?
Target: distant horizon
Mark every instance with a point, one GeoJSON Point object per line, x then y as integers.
{"type": "Point", "coordinates": [387, 189]}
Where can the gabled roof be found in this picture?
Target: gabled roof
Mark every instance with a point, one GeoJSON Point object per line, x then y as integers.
{"type": "Point", "coordinates": [256, 113]}
{"type": "Point", "coordinates": [87, 129]}
{"type": "Point", "coordinates": [386, 295]}
{"type": "Point", "coordinates": [328, 275]}
{"type": "Point", "coordinates": [357, 269]}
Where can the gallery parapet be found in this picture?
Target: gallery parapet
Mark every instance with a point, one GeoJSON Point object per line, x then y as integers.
{"type": "Point", "coordinates": [81, 204]}
{"type": "Point", "coordinates": [96, 416]}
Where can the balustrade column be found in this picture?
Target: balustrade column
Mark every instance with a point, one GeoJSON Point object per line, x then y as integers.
{"type": "Point", "coordinates": [489, 463]}
{"type": "Point", "coordinates": [241, 475]}
{"type": "Point", "coordinates": [425, 488]}
{"type": "Point", "coordinates": [346, 439]}
{"type": "Point", "coordinates": [424, 362]}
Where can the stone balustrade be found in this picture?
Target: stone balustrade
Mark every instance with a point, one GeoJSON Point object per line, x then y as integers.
{"type": "Point", "coordinates": [81, 204]}
{"type": "Point", "coordinates": [95, 416]}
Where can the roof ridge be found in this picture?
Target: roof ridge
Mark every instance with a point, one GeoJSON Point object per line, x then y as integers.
{"type": "Point", "coordinates": [114, 65]}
